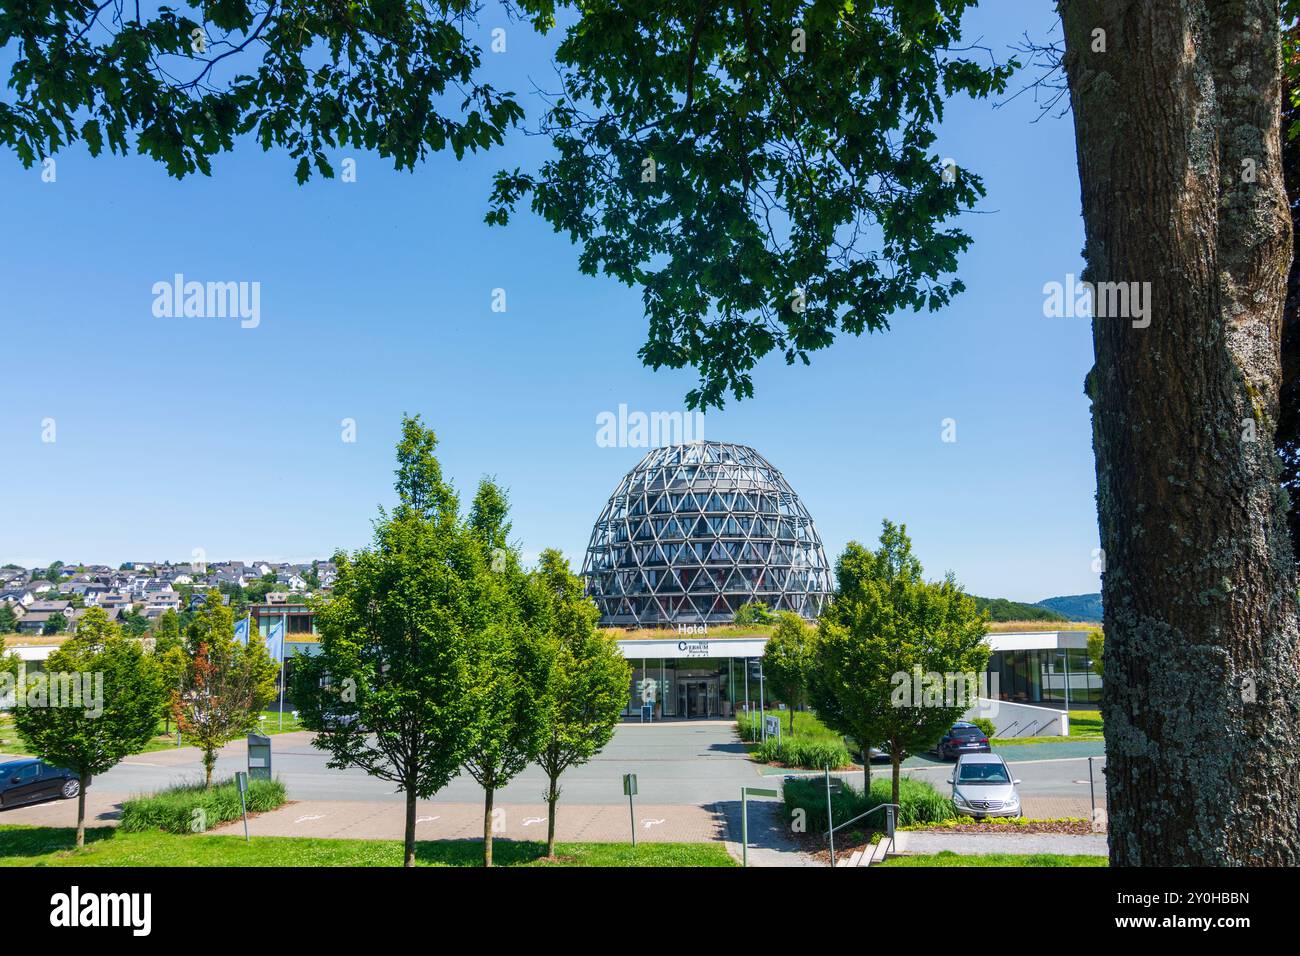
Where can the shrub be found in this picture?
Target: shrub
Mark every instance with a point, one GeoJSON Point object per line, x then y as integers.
{"type": "Point", "coordinates": [173, 809]}
{"type": "Point", "coordinates": [752, 613]}
{"type": "Point", "coordinates": [918, 802]}
{"type": "Point", "coordinates": [984, 724]}
{"type": "Point", "coordinates": [798, 752]}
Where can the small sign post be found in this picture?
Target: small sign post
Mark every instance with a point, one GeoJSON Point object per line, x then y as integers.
{"type": "Point", "coordinates": [772, 728]}
{"type": "Point", "coordinates": [830, 815]}
{"type": "Point", "coordinates": [259, 757]}
{"type": "Point", "coordinates": [745, 794]}
{"type": "Point", "coordinates": [629, 787]}
{"type": "Point", "coordinates": [241, 780]}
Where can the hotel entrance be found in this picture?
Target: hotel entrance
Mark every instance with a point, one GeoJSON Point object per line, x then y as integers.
{"type": "Point", "coordinates": [695, 679]}
{"type": "Point", "coordinates": [697, 697]}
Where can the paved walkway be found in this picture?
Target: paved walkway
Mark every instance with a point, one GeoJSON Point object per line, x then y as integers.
{"type": "Point", "coordinates": [1056, 808]}
{"type": "Point", "coordinates": [574, 823]}
{"type": "Point", "coordinates": [770, 841]}
{"type": "Point", "coordinates": [102, 809]}
{"type": "Point", "coordinates": [937, 841]}
{"type": "Point", "coordinates": [1015, 753]}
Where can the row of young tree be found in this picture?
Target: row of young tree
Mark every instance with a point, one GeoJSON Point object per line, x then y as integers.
{"type": "Point", "coordinates": [213, 688]}
{"type": "Point", "coordinates": [439, 653]}
{"type": "Point", "coordinates": [884, 620]}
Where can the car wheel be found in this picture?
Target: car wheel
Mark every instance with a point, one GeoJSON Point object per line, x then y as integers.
{"type": "Point", "coordinates": [70, 789]}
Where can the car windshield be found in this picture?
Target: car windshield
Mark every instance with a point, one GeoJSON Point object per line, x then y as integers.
{"type": "Point", "coordinates": [983, 773]}
{"type": "Point", "coordinates": [967, 732]}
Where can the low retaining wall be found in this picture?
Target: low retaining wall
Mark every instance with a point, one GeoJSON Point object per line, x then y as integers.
{"type": "Point", "coordinates": [1021, 720]}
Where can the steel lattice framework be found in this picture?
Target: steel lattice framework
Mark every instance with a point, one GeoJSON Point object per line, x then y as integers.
{"type": "Point", "coordinates": [694, 531]}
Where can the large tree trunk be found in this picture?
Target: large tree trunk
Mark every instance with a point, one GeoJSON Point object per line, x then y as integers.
{"type": "Point", "coordinates": [408, 858]}
{"type": "Point", "coordinates": [1288, 424]}
{"type": "Point", "coordinates": [1176, 124]}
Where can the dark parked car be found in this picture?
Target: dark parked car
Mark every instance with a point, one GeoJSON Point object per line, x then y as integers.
{"type": "Point", "coordinates": [963, 738]}
{"type": "Point", "coordinates": [34, 781]}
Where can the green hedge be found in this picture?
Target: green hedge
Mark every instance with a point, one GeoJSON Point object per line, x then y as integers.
{"type": "Point", "coordinates": [798, 752]}
{"type": "Point", "coordinates": [173, 809]}
{"type": "Point", "coordinates": [918, 802]}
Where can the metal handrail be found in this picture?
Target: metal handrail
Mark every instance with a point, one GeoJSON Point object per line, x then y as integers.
{"type": "Point", "coordinates": [860, 816]}
{"type": "Point", "coordinates": [883, 806]}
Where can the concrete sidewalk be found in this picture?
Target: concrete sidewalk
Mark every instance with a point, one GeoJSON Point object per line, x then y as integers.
{"type": "Point", "coordinates": [1056, 808]}
{"type": "Point", "coordinates": [366, 820]}
{"type": "Point", "coordinates": [771, 842]}
{"type": "Point", "coordinates": [937, 841]}
{"type": "Point", "coordinates": [102, 809]}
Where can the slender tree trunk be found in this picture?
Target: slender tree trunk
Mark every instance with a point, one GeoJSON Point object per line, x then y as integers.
{"type": "Point", "coordinates": [487, 826]}
{"type": "Point", "coordinates": [1176, 123]}
{"type": "Point", "coordinates": [81, 811]}
{"type": "Point", "coordinates": [552, 798]}
{"type": "Point", "coordinates": [409, 856]}
{"type": "Point", "coordinates": [896, 761]}
{"type": "Point", "coordinates": [209, 761]}
{"type": "Point", "coordinates": [792, 720]}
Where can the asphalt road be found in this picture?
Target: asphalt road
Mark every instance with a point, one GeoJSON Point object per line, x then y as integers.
{"type": "Point", "coordinates": [688, 763]}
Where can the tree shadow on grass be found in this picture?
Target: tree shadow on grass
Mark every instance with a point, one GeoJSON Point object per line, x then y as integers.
{"type": "Point", "coordinates": [42, 841]}
{"type": "Point", "coordinates": [470, 852]}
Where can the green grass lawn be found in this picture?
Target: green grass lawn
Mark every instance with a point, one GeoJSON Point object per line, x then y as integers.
{"type": "Point", "coordinates": [1084, 725]}
{"type": "Point", "coordinates": [807, 726]}
{"type": "Point", "coordinates": [105, 846]}
{"type": "Point", "coordinates": [948, 858]}
{"type": "Point", "coordinates": [10, 744]}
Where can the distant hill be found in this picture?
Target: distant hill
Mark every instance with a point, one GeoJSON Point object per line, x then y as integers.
{"type": "Point", "coordinates": [1000, 609]}
{"type": "Point", "coordinates": [1075, 607]}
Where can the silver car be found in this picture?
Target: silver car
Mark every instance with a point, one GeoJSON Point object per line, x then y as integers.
{"type": "Point", "coordinates": [982, 786]}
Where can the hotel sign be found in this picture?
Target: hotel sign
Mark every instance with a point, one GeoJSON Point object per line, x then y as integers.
{"type": "Point", "coordinates": [677, 647]}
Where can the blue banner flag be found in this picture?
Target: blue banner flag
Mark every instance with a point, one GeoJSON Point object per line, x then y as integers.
{"type": "Point", "coordinates": [275, 640]}
{"type": "Point", "coordinates": [241, 631]}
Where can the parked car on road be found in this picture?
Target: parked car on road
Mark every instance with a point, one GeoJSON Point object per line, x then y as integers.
{"type": "Point", "coordinates": [879, 755]}
{"type": "Point", "coordinates": [34, 781]}
{"type": "Point", "coordinates": [962, 738]}
{"type": "Point", "coordinates": [982, 786]}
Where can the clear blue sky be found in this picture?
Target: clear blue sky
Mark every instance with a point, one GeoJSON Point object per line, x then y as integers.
{"type": "Point", "coordinates": [175, 434]}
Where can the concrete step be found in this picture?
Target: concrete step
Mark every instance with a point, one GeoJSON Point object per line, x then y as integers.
{"type": "Point", "coordinates": [853, 859]}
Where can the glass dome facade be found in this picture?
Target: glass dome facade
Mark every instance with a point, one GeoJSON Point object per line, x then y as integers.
{"type": "Point", "coordinates": [694, 531]}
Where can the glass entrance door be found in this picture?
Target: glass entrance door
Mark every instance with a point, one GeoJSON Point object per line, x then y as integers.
{"type": "Point", "coordinates": [697, 697]}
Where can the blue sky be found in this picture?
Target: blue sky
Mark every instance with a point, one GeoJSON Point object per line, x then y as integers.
{"type": "Point", "coordinates": [175, 434]}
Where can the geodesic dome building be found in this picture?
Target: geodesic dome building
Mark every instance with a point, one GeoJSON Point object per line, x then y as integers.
{"type": "Point", "coordinates": [696, 530]}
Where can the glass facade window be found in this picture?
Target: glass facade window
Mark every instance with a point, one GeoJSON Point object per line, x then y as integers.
{"type": "Point", "coordinates": [1041, 676]}
{"type": "Point", "coordinates": [711, 687]}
